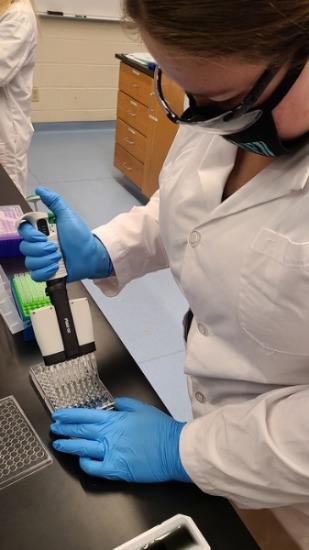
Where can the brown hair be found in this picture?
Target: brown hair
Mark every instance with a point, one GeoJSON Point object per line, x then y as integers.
{"type": "Point", "coordinates": [4, 5]}
{"type": "Point", "coordinates": [258, 30]}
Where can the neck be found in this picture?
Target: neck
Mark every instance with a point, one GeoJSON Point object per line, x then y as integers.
{"type": "Point", "coordinates": [292, 114]}
{"type": "Point", "coordinates": [247, 166]}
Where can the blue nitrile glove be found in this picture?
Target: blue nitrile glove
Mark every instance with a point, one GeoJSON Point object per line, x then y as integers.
{"type": "Point", "coordinates": [85, 256]}
{"type": "Point", "coordinates": [136, 442]}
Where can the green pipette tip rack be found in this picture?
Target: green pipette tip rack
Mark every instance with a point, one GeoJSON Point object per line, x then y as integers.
{"type": "Point", "coordinates": [28, 294]}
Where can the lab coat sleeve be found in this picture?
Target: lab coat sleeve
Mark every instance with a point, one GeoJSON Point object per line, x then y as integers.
{"type": "Point", "coordinates": [134, 243]}
{"type": "Point", "coordinates": [255, 453]}
{"type": "Point", "coordinates": [17, 37]}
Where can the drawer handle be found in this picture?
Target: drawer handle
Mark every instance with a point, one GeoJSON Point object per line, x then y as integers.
{"type": "Point", "coordinates": [151, 103]}
{"type": "Point", "coordinates": [151, 107]}
{"type": "Point", "coordinates": [127, 140]}
{"type": "Point", "coordinates": [130, 113]}
{"type": "Point", "coordinates": [134, 85]}
{"type": "Point", "coordinates": [127, 166]}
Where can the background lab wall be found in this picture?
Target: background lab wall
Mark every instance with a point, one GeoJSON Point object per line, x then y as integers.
{"type": "Point", "coordinates": [76, 76]}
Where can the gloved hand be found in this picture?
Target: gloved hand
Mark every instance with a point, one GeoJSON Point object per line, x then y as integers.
{"type": "Point", "coordinates": [136, 442]}
{"type": "Point", "coordinates": [85, 256]}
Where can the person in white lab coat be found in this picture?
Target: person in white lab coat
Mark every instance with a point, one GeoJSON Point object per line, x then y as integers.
{"type": "Point", "coordinates": [18, 40]}
{"type": "Point", "coordinates": [231, 222]}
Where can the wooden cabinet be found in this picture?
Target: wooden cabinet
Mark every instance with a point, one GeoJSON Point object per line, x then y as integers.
{"type": "Point", "coordinates": [143, 132]}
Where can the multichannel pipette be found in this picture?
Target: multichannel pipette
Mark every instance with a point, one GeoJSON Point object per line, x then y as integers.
{"type": "Point", "coordinates": [64, 333]}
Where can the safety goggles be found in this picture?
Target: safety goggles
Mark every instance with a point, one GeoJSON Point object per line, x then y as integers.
{"type": "Point", "coordinates": [210, 117]}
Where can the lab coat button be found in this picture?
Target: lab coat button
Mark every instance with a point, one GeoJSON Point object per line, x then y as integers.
{"type": "Point", "coordinates": [202, 329]}
{"type": "Point", "coordinates": [200, 397]}
{"type": "Point", "coordinates": [194, 238]}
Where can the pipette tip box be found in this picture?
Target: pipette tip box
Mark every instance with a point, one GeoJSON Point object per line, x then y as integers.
{"type": "Point", "coordinates": [28, 295]}
{"type": "Point", "coordinates": [8, 309]}
{"type": "Point", "coordinates": [9, 236]}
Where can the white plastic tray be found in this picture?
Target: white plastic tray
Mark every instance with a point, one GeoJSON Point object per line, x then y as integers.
{"type": "Point", "coordinates": [177, 533]}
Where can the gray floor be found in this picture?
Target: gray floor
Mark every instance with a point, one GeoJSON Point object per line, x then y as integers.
{"type": "Point", "coordinates": [76, 161]}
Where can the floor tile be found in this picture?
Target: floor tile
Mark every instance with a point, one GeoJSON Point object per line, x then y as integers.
{"type": "Point", "coordinates": [57, 157]}
{"type": "Point", "coordinates": [166, 375]}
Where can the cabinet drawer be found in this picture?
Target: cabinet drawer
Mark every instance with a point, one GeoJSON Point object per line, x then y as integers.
{"type": "Point", "coordinates": [131, 140]}
{"type": "Point", "coordinates": [132, 112]}
{"type": "Point", "coordinates": [128, 165]}
{"type": "Point", "coordinates": [135, 83]}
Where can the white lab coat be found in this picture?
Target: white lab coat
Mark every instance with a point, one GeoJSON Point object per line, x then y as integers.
{"type": "Point", "coordinates": [18, 39]}
{"type": "Point", "coordinates": [243, 266]}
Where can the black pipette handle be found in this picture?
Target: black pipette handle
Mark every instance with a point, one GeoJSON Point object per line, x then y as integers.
{"type": "Point", "coordinates": [56, 290]}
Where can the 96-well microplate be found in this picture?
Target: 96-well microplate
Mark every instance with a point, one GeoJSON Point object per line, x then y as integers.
{"type": "Point", "coordinates": [72, 383]}
{"type": "Point", "coordinates": [21, 450]}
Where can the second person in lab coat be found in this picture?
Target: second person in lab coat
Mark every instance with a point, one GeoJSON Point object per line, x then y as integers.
{"type": "Point", "coordinates": [18, 40]}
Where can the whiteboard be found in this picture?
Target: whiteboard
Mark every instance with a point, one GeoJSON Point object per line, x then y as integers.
{"type": "Point", "coordinates": [81, 9]}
